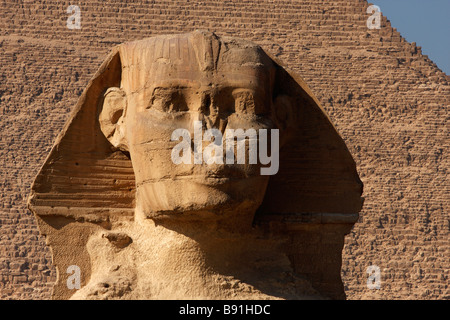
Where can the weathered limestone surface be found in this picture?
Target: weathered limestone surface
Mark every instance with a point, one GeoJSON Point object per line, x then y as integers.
{"type": "Point", "coordinates": [388, 101]}
{"type": "Point", "coordinates": [111, 200]}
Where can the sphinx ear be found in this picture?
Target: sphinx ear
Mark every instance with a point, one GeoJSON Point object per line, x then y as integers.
{"type": "Point", "coordinates": [285, 116]}
{"type": "Point", "coordinates": [112, 117]}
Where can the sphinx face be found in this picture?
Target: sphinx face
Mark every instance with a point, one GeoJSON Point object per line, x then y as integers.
{"type": "Point", "coordinates": [183, 95]}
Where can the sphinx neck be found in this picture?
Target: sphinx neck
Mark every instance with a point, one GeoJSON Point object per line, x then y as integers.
{"type": "Point", "coordinates": [208, 259]}
{"type": "Point", "coordinates": [188, 259]}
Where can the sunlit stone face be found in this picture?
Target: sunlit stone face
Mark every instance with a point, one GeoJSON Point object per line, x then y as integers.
{"type": "Point", "coordinates": [165, 92]}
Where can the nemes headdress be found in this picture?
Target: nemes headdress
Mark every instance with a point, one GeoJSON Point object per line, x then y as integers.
{"type": "Point", "coordinates": [85, 178]}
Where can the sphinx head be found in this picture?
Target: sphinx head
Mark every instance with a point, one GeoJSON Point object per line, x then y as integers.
{"type": "Point", "coordinates": [209, 89]}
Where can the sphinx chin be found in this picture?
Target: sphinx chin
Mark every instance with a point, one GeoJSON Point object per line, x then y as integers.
{"type": "Point", "coordinates": [194, 200]}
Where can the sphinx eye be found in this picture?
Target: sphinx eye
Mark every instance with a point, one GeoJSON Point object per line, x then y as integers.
{"type": "Point", "coordinates": [224, 101]}
{"type": "Point", "coordinates": [169, 101]}
{"type": "Point", "coordinates": [246, 102]}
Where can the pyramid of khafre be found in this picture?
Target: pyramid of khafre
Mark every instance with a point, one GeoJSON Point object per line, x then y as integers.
{"type": "Point", "coordinates": [388, 101]}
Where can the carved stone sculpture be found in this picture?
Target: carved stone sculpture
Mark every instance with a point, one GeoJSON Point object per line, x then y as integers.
{"type": "Point", "coordinates": [111, 201]}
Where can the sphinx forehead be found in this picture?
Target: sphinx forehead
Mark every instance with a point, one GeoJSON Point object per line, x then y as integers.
{"type": "Point", "coordinates": [198, 56]}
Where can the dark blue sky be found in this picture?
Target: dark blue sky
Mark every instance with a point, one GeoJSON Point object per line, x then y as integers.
{"type": "Point", "coordinates": [426, 22]}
